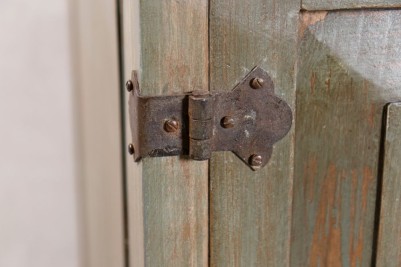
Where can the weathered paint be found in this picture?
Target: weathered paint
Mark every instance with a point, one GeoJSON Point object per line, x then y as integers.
{"type": "Point", "coordinates": [169, 194]}
{"type": "Point", "coordinates": [389, 241]}
{"type": "Point", "coordinates": [174, 41]}
{"type": "Point", "coordinates": [250, 212]}
{"type": "Point", "coordinates": [311, 5]}
{"type": "Point", "coordinates": [348, 67]}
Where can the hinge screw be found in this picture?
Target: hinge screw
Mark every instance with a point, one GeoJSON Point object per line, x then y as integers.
{"type": "Point", "coordinates": [256, 160]}
{"type": "Point", "coordinates": [131, 149]}
{"type": "Point", "coordinates": [129, 85]}
{"type": "Point", "coordinates": [257, 83]}
{"type": "Point", "coordinates": [171, 126]}
{"type": "Point", "coordinates": [227, 122]}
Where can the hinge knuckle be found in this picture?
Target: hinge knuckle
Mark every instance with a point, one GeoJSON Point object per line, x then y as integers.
{"type": "Point", "coordinates": [200, 111]}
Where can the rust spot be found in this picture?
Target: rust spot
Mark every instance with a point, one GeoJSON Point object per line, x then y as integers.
{"type": "Point", "coordinates": [313, 82]}
{"type": "Point", "coordinates": [357, 245]}
{"type": "Point", "coordinates": [310, 18]}
{"type": "Point", "coordinates": [309, 177]}
{"type": "Point", "coordinates": [326, 241]}
{"type": "Point", "coordinates": [368, 178]}
{"type": "Point", "coordinates": [186, 231]}
{"type": "Point", "coordinates": [328, 81]}
{"type": "Point", "coordinates": [371, 116]}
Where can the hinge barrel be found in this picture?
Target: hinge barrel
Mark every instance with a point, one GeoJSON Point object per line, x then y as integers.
{"type": "Point", "coordinates": [200, 111]}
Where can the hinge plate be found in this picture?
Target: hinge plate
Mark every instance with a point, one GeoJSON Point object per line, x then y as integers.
{"type": "Point", "coordinates": [247, 121]}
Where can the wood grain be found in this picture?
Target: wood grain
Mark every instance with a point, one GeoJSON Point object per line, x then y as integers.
{"type": "Point", "coordinates": [348, 70]}
{"type": "Point", "coordinates": [250, 212]}
{"type": "Point", "coordinates": [311, 5]}
{"type": "Point", "coordinates": [173, 193]}
{"type": "Point", "coordinates": [389, 243]}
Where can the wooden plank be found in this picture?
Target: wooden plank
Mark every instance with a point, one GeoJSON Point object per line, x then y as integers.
{"type": "Point", "coordinates": [348, 70]}
{"type": "Point", "coordinates": [311, 5]}
{"type": "Point", "coordinates": [250, 212]}
{"type": "Point", "coordinates": [389, 242]}
{"type": "Point", "coordinates": [170, 195]}
{"type": "Point", "coordinates": [97, 92]}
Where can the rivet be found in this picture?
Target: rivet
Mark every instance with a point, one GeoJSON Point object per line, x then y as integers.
{"type": "Point", "coordinates": [129, 85]}
{"type": "Point", "coordinates": [171, 126]}
{"type": "Point", "coordinates": [256, 160]}
{"type": "Point", "coordinates": [227, 122]}
{"type": "Point", "coordinates": [257, 83]}
{"type": "Point", "coordinates": [131, 149]}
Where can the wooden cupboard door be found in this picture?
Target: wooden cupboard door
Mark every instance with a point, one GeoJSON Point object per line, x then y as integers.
{"type": "Point", "coordinates": [348, 70]}
{"type": "Point", "coordinates": [250, 212]}
{"type": "Point", "coordinates": [317, 201]}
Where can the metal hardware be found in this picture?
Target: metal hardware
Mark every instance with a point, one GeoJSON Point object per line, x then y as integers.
{"type": "Point", "coordinates": [131, 149]}
{"type": "Point", "coordinates": [257, 83]}
{"type": "Point", "coordinates": [171, 126]}
{"type": "Point", "coordinates": [245, 121]}
{"type": "Point", "coordinates": [129, 86]}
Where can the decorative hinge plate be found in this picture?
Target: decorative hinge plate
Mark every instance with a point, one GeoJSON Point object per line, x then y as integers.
{"type": "Point", "coordinates": [247, 121]}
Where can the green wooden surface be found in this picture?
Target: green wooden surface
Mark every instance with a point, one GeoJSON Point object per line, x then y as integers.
{"type": "Point", "coordinates": [349, 68]}
{"type": "Point", "coordinates": [250, 212]}
{"type": "Point", "coordinates": [174, 58]}
{"type": "Point", "coordinates": [348, 4]}
{"type": "Point", "coordinates": [314, 208]}
{"type": "Point", "coordinates": [389, 243]}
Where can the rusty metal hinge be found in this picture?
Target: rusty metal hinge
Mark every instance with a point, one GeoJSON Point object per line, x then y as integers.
{"type": "Point", "coordinates": [247, 121]}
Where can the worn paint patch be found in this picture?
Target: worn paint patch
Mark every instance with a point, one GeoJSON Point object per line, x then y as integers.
{"type": "Point", "coordinates": [310, 18]}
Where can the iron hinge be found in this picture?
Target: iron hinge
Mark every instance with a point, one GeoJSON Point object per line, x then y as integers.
{"type": "Point", "coordinates": [247, 121]}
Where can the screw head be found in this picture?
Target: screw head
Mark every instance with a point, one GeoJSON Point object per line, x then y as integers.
{"type": "Point", "coordinates": [171, 126]}
{"type": "Point", "coordinates": [228, 122]}
{"type": "Point", "coordinates": [257, 83]}
{"type": "Point", "coordinates": [256, 160]}
{"type": "Point", "coordinates": [129, 86]}
{"type": "Point", "coordinates": [131, 149]}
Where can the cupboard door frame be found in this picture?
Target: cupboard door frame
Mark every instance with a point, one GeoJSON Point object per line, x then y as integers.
{"type": "Point", "coordinates": [166, 41]}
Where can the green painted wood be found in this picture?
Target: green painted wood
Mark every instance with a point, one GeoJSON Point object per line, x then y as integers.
{"type": "Point", "coordinates": [349, 68]}
{"type": "Point", "coordinates": [174, 58]}
{"type": "Point", "coordinates": [389, 243]}
{"type": "Point", "coordinates": [348, 4]}
{"type": "Point", "coordinates": [250, 212]}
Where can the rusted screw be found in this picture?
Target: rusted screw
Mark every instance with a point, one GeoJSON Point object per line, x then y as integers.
{"type": "Point", "coordinates": [256, 160]}
{"type": "Point", "coordinates": [129, 86]}
{"type": "Point", "coordinates": [171, 126]}
{"type": "Point", "coordinates": [227, 122]}
{"type": "Point", "coordinates": [257, 83]}
{"type": "Point", "coordinates": [131, 149]}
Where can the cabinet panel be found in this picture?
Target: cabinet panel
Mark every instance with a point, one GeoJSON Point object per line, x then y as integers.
{"type": "Point", "coordinates": [348, 4]}
{"type": "Point", "coordinates": [389, 243]}
{"type": "Point", "coordinates": [349, 69]}
{"type": "Point", "coordinates": [250, 212]}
